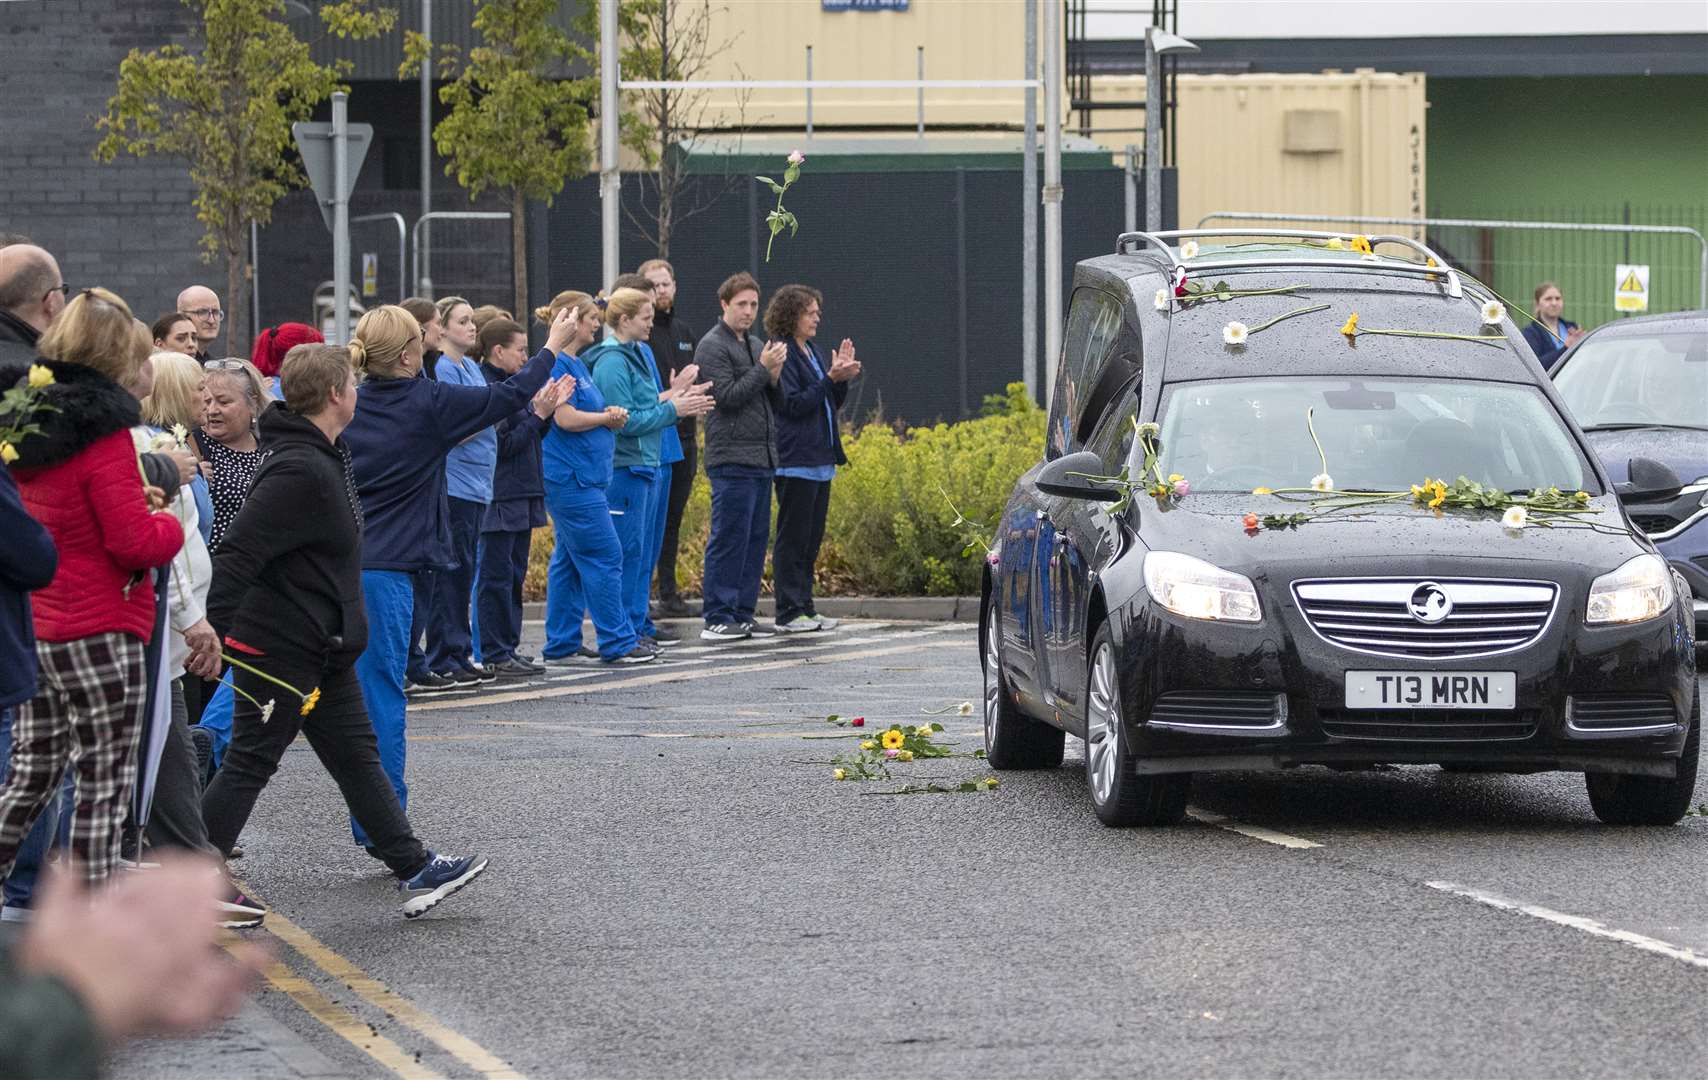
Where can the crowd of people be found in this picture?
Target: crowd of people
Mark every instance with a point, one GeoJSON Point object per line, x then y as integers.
{"type": "Point", "coordinates": [207, 556]}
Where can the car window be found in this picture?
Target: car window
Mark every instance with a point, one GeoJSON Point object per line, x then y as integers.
{"type": "Point", "coordinates": [1615, 380]}
{"type": "Point", "coordinates": [1377, 434]}
{"type": "Point", "coordinates": [1094, 318]}
{"type": "Point", "coordinates": [1113, 439]}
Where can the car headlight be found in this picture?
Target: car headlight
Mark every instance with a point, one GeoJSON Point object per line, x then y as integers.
{"type": "Point", "coordinates": [1641, 589]}
{"type": "Point", "coordinates": [1198, 590]}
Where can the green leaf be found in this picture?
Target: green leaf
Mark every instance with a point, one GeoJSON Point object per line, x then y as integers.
{"type": "Point", "coordinates": [766, 180]}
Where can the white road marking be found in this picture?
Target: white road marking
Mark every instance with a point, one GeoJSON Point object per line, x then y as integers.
{"type": "Point", "coordinates": [1575, 922]}
{"type": "Point", "coordinates": [665, 674]}
{"type": "Point", "coordinates": [1256, 832]}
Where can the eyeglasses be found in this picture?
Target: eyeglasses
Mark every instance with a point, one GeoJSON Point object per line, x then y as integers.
{"type": "Point", "coordinates": [62, 289]}
{"type": "Point", "coordinates": [211, 314]}
{"type": "Point", "coordinates": [223, 365]}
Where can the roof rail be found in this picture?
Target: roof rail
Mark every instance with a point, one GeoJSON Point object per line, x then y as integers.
{"type": "Point", "coordinates": [1161, 242]}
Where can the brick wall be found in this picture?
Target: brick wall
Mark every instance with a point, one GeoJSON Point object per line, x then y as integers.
{"type": "Point", "coordinates": [130, 225]}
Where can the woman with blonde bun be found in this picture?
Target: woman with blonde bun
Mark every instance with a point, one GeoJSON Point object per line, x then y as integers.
{"type": "Point", "coordinates": [586, 571]}
{"type": "Point", "coordinates": [399, 437]}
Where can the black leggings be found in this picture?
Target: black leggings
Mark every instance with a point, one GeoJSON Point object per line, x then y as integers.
{"type": "Point", "coordinates": [343, 739]}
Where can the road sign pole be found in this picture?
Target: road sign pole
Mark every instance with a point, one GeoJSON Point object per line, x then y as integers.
{"type": "Point", "coordinates": [340, 218]}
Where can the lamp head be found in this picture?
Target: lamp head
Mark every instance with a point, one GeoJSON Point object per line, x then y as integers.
{"type": "Point", "coordinates": [1164, 42]}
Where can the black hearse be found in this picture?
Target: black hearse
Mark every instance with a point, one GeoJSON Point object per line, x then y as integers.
{"type": "Point", "coordinates": [1267, 534]}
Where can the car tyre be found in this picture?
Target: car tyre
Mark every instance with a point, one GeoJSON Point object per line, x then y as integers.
{"type": "Point", "coordinates": [1119, 795]}
{"type": "Point", "coordinates": [1618, 799]}
{"type": "Point", "coordinates": [1012, 740]}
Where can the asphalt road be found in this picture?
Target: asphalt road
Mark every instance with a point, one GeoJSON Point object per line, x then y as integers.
{"type": "Point", "coordinates": [679, 888]}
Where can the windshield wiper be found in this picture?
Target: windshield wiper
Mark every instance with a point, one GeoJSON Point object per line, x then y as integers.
{"type": "Point", "coordinates": [1629, 424]}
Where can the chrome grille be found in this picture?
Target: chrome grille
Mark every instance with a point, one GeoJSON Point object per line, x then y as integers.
{"type": "Point", "coordinates": [1371, 616]}
{"type": "Point", "coordinates": [1615, 711]}
{"type": "Point", "coordinates": [1428, 725]}
{"type": "Point", "coordinates": [1218, 708]}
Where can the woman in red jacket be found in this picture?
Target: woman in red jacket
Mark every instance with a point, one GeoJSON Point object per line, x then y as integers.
{"type": "Point", "coordinates": [81, 479]}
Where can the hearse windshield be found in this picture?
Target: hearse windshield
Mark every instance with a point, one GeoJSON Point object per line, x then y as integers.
{"type": "Point", "coordinates": [1233, 435]}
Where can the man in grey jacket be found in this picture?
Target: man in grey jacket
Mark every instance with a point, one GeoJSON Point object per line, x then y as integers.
{"type": "Point", "coordinates": [741, 456]}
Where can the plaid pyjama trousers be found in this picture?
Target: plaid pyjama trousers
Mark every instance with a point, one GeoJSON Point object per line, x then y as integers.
{"type": "Point", "coordinates": [87, 714]}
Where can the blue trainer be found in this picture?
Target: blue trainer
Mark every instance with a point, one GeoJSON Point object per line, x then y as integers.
{"type": "Point", "coordinates": [442, 876]}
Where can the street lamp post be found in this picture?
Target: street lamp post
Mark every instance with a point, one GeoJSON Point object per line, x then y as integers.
{"type": "Point", "coordinates": [1158, 42]}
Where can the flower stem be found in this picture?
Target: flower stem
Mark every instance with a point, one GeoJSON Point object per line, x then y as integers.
{"type": "Point", "coordinates": [1312, 428]}
{"type": "Point", "coordinates": [1486, 339]}
{"type": "Point", "coordinates": [261, 674]}
{"type": "Point", "coordinates": [1288, 315]}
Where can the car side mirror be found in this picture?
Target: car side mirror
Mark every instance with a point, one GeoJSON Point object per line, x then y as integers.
{"type": "Point", "coordinates": [1067, 478]}
{"type": "Point", "coordinates": [1647, 478]}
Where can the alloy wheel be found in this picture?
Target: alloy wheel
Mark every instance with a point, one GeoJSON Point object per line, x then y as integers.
{"type": "Point", "coordinates": [1102, 742]}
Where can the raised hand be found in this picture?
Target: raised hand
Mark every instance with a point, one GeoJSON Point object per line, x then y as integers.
{"type": "Point", "coordinates": [772, 357]}
{"type": "Point", "coordinates": [685, 377]}
{"type": "Point", "coordinates": [695, 401]}
{"type": "Point", "coordinates": [562, 331]}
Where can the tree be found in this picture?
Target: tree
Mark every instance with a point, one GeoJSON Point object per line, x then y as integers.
{"type": "Point", "coordinates": [518, 121]}
{"type": "Point", "coordinates": [672, 41]}
{"type": "Point", "coordinates": [225, 107]}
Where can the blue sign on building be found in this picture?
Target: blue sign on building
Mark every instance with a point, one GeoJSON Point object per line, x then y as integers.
{"type": "Point", "coordinates": [864, 5]}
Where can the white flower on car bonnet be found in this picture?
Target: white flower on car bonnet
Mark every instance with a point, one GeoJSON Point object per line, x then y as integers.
{"type": "Point", "coordinates": [1189, 250]}
{"type": "Point", "coordinates": [1234, 333]}
{"type": "Point", "coordinates": [1322, 482]}
{"type": "Point", "coordinates": [1493, 312]}
{"type": "Point", "coordinates": [1516, 517]}
{"type": "Point", "coordinates": [1162, 299]}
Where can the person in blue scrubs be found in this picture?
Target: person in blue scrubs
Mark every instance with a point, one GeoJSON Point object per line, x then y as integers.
{"type": "Point", "coordinates": [586, 570]}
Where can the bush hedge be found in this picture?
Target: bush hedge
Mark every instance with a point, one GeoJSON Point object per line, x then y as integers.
{"type": "Point", "coordinates": [891, 529]}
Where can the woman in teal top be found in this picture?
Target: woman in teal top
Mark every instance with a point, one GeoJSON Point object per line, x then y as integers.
{"type": "Point", "coordinates": [627, 378]}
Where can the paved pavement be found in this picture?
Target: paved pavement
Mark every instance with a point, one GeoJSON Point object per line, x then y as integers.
{"type": "Point", "coordinates": [678, 888]}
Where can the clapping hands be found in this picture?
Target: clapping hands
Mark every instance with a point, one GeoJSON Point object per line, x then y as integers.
{"type": "Point", "coordinates": [694, 400]}
{"type": "Point", "coordinates": [843, 366]}
{"type": "Point", "coordinates": [553, 394]}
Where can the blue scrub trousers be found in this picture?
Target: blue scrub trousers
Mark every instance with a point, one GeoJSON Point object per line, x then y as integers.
{"type": "Point", "coordinates": [390, 599]}
{"type": "Point", "coordinates": [586, 573]}
{"type": "Point", "coordinates": [634, 505]}
{"type": "Point", "coordinates": [216, 717]}
{"type": "Point", "coordinates": [423, 583]}
{"type": "Point", "coordinates": [660, 515]}
{"type": "Point", "coordinates": [735, 551]}
{"type": "Point", "coordinates": [48, 829]}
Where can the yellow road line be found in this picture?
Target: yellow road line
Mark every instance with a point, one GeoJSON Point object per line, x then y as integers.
{"type": "Point", "coordinates": [671, 676]}
{"type": "Point", "coordinates": [382, 997]}
{"type": "Point", "coordinates": [345, 1023]}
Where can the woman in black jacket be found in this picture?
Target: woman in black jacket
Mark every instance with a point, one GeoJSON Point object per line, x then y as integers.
{"type": "Point", "coordinates": [1549, 335]}
{"type": "Point", "coordinates": [809, 448]}
{"type": "Point", "coordinates": [287, 600]}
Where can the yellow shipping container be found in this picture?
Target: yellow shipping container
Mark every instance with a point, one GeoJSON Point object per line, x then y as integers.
{"type": "Point", "coordinates": [1348, 143]}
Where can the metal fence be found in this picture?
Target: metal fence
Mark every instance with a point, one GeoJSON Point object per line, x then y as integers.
{"type": "Point", "coordinates": [1579, 250]}
{"type": "Point", "coordinates": [468, 255]}
{"type": "Point", "coordinates": [921, 269]}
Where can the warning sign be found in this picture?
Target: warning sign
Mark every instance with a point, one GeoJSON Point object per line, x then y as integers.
{"type": "Point", "coordinates": [371, 273]}
{"type": "Point", "coordinates": [1630, 287]}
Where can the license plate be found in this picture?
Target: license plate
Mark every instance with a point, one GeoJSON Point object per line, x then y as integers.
{"type": "Point", "coordinates": [1431, 690]}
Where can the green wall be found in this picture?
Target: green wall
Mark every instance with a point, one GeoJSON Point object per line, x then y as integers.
{"type": "Point", "coordinates": [1562, 148]}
